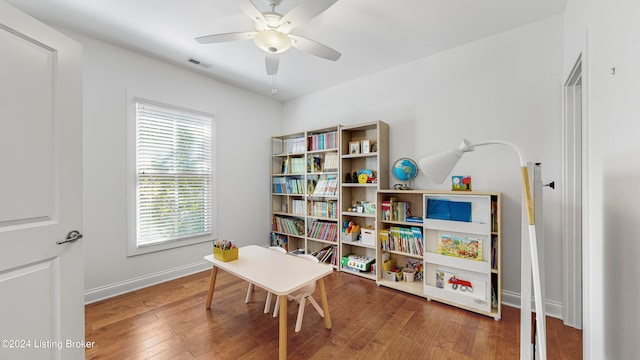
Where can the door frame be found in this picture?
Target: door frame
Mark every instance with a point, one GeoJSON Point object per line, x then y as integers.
{"type": "Point", "coordinates": [573, 195]}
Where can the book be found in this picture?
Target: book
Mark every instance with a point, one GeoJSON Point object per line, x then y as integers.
{"type": "Point", "coordinates": [402, 239]}
{"type": "Point", "coordinates": [297, 166]}
{"type": "Point", "coordinates": [438, 209]}
{"type": "Point", "coordinates": [385, 208]}
{"type": "Point", "coordinates": [326, 186]}
{"type": "Point", "coordinates": [287, 185]}
{"type": "Point", "coordinates": [287, 225]}
{"type": "Point", "coordinates": [440, 279]}
{"type": "Point", "coordinates": [331, 161]}
{"type": "Point", "coordinates": [400, 210]}
{"type": "Point", "coordinates": [279, 240]}
{"type": "Point", "coordinates": [461, 247]}
{"type": "Point", "coordinates": [326, 254]}
{"type": "Point", "coordinates": [295, 145]}
{"type": "Point", "coordinates": [322, 141]}
{"type": "Point", "coordinates": [464, 285]}
{"type": "Point", "coordinates": [461, 183]}
{"type": "Point", "coordinates": [460, 211]}
{"type": "Point", "coordinates": [384, 239]}
{"type": "Point", "coordinates": [443, 209]}
{"type": "Point", "coordinates": [315, 164]}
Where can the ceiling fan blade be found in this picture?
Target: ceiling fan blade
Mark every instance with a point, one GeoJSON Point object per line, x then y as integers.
{"type": "Point", "coordinates": [272, 61]}
{"type": "Point", "coordinates": [218, 38]}
{"type": "Point", "coordinates": [314, 48]}
{"type": "Point", "coordinates": [249, 8]}
{"type": "Point", "coordinates": [304, 12]}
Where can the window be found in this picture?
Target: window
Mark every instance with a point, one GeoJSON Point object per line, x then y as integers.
{"type": "Point", "coordinates": [173, 165]}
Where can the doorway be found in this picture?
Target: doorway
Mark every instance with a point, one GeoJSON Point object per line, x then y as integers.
{"type": "Point", "coordinates": [573, 196]}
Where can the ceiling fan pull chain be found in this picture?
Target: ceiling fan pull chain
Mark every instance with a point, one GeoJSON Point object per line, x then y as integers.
{"type": "Point", "coordinates": [274, 84]}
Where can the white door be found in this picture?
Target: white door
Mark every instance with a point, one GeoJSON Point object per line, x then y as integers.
{"type": "Point", "coordinates": [41, 282]}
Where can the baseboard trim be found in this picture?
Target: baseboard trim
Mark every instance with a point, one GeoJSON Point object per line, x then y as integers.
{"type": "Point", "coordinates": [552, 308]}
{"type": "Point", "coordinates": [111, 290]}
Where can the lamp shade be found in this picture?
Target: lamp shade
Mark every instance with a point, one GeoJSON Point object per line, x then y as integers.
{"type": "Point", "coordinates": [437, 167]}
{"type": "Point", "coordinates": [272, 41]}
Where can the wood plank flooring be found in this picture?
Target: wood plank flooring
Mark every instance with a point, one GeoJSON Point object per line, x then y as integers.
{"type": "Point", "coordinates": [169, 321]}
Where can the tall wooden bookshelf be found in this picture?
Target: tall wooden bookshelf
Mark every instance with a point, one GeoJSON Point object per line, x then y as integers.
{"type": "Point", "coordinates": [288, 189]}
{"type": "Point", "coordinates": [364, 150]}
{"type": "Point", "coordinates": [454, 238]}
{"type": "Point", "coordinates": [304, 192]}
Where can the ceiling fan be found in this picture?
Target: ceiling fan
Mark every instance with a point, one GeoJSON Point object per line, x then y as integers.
{"type": "Point", "coordinates": [273, 31]}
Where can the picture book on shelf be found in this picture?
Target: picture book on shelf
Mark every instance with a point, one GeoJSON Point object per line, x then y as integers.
{"type": "Point", "coordinates": [462, 247]}
{"type": "Point", "coordinates": [315, 164]}
{"type": "Point", "coordinates": [440, 279]}
{"type": "Point", "coordinates": [298, 166]}
{"type": "Point", "coordinates": [462, 284]}
{"type": "Point", "coordinates": [444, 209]}
{"type": "Point", "coordinates": [461, 183]}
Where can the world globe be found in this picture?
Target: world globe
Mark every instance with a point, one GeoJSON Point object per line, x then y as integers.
{"type": "Point", "coordinates": [405, 169]}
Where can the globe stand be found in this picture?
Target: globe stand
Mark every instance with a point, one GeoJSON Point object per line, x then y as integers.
{"type": "Point", "coordinates": [402, 186]}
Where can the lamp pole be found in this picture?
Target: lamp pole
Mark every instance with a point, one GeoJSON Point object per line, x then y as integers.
{"type": "Point", "coordinates": [533, 248]}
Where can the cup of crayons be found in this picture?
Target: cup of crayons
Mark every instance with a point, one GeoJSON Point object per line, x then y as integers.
{"type": "Point", "coordinates": [225, 250]}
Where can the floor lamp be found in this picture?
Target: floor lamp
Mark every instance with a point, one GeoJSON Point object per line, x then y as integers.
{"type": "Point", "coordinates": [437, 168]}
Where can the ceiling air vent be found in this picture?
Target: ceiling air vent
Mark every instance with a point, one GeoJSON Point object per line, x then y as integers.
{"type": "Point", "coordinates": [199, 63]}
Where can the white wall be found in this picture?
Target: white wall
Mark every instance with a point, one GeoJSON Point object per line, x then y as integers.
{"type": "Point", "coordinates": [607, 34]}
{"type": "Point", "coordinates": [243, 120]}
{"type": "Point", "coordinates": [505, 87]}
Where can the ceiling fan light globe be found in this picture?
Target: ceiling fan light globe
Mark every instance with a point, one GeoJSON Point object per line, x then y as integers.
{"type": "Point", "coordinates": [272, 41]}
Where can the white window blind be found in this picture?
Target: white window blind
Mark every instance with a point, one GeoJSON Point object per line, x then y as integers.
{"type": "Point", "coordinates": [173, 165]}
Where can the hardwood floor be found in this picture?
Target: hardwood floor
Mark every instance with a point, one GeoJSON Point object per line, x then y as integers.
{"type": "Point", "coordinates": [169, 321]}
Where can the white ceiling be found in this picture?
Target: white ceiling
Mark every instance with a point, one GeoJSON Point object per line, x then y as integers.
{"type": "Point", "coordinates": [372, 35]}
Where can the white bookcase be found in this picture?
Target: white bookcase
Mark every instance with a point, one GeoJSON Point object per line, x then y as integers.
{"type": "Point", "coordinates": [461, 256]}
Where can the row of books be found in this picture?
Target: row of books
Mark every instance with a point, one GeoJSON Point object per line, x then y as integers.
{"type": "Point", "coordinates": [395, 210]}
{"type": "Point", "coordinates": [323, 141]}
{"type": "Point", "coordinates": [287, 185]}
{"type": "Point", "coordinates": [279, 240]}
{"type": "Point", "coordinates": [403, 239]}
{"type": "Point", "coordinates": [331, 162]}
{"type": "Point", "coordinates": [326, 186]}
{"type": "Point", "coordinates": [326, 209]}
{"type": "Point", "coordinates": [494, 217]}
{"type": "Point", "coordinates": [293, 165]}
{"type": "Point", "coordinates": [328, 162]}
{"type": "Point", "coordinates": [327, 255]}
{"type": "Point", "coordinates": [494, 255]}
{"type": "Point", "coordinates": [297, 207]}
{"type": "Point", "coordinates": [286, 225]}
{"type": "Point", "coordinates": [324, 230]}
{"type": "Point", "coordinates": [294, 146]}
